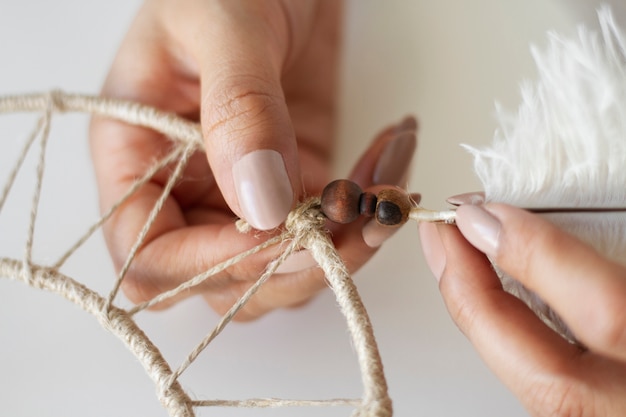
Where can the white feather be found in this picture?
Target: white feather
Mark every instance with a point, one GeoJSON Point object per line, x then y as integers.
{"type": "Point", "coordinates": [566, 145]}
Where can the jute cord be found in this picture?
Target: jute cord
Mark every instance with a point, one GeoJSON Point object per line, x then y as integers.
{"type": "Point", "coordinates": [304, 229]}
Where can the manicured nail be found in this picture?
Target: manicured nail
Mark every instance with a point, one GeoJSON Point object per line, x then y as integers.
{"type": "Point", "coordinates": [432, 247]}
{"type": "Point", "coordinates": [395, 159]}
{"type": "Point", "coordinates": [479, 227]}
{"type": "Point", "coordinates": [297, 261]}
{"type": "Point", "coordinates": [475, 199]}
{"type": "Point", "coordinates": [409, 123]}
{"type": "Point", "coordinates": [263, 188]}
{"type": "Point", "coordinates": [374, 235]}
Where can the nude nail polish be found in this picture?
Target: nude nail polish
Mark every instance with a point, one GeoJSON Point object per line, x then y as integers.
{"type": "Point", "coordinates": [395, 159]}
{"type": "Point", "coordinates": [479, 227]}
{"type": "Point", "coordinates": [475, 198]}
{"type": "Point", "coordinates": [409, 123]}
{"type": "Point", "coordinates": [263, 188]}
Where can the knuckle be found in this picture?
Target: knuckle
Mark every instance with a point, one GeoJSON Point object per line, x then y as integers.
{"type": "Point", "coordinates": [238, 106]}
{"type": "Point", "coordinates": [138, 289]}
{"type": "Point", "coordinates": [608, 322]}
{"type": "Point", "coordinates": [464, 316]}
{"type": "Point", "coordinates": [561, 397]}
{"type": "Point", "coordinates": [138, 285]}
{"type": "Point", "coordinates": [526, 247]}
{"type": "Point", "coordinates": [461, 309]}
{"type": "Point", "coordinates": [223, 301]}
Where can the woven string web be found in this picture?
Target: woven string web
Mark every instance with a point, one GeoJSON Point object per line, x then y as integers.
{"type": "Point", "coordinates": [304, 229]}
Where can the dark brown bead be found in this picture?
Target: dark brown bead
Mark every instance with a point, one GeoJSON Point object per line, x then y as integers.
{"type": "Point", "coordinates": [367, 204]}
{"type": "Point", "coordinates": [393, 207]}
{"type": "Point", "coordinates": [340, 201]}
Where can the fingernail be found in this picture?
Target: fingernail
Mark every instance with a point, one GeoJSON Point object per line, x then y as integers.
{"type": "Point", "coordinates": [263, 188]}
{"type": "Point", "coordinates": [479, 227]}
{"type": "Point", "coordinates": [374, 235]}
{"type": "Point", "coordinates": [409, 123]}
{"type": "Point", "coordinates": [395, 159]}
{"type": "Point", "coordinates": [475, 198]}
{"type": "Point", "coordinates": [432, 247]}
{"type": "Point", "coordinates": [297, 261]}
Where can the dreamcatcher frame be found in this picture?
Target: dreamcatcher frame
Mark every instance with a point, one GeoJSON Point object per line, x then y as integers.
{"type": "Point", "coordinates": [303, 229]}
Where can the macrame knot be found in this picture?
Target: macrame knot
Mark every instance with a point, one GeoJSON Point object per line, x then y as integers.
{"type": "Point", "coordinates": [305, 217]}
{"type": "Point", "coordinates": [301, 220]}
{"type": "Point", "coordinates": [56, 101]}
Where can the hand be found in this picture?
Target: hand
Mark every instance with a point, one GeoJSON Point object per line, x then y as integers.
{"type": "Point", "coordinates": [550, 376]}
{"type": "Point", "coordinates": [261, 78]}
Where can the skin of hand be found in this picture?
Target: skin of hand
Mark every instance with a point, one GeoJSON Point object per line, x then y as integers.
{"type": "Point", "coordinates": [260, 76]}
{"type": "Point", "coordinates": [550, 376]}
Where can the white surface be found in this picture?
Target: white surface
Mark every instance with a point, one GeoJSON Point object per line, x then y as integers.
{"type": "Point", "coordinates": [445, 61]}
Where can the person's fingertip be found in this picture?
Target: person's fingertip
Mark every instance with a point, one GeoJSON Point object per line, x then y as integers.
{"type": "Point", "coordinates": [479, 227]}
{"type": "Point", "coordinates": [408, 124]}
{"type": "Point", "coordinates": [388, 158]}
{"type": "Point", "coordinates": [394, 161]}
{"type": "Point", "coordinates": [374, 234]}
{"type": "Point", "coordinates": [263, 188]}
{"type": "Point", "coordinates": [433, 249]}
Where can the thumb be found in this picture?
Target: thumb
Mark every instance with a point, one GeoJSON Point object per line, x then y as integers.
{"type": "Point", "coordinates": [586, 289]}
{"type": "Point", "coordinates": [249, 137]}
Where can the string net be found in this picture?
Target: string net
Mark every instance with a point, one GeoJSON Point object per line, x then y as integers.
{"type": "Point", "coordinates": [304, 229]}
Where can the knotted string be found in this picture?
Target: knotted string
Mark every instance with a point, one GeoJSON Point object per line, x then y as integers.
{"type": "Point", "coordinates": [304, 229]}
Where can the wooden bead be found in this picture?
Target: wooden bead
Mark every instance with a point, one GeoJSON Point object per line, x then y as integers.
{"type": "Point", "coordinates": [393, 207]}
{"type": "Point", "coordinates": [341, 201]}
{"type": "Point", "coordinates": [367, 204]}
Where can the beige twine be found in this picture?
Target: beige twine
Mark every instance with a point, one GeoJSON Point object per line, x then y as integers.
{"type": "Point", "coordinates": [304, 228]}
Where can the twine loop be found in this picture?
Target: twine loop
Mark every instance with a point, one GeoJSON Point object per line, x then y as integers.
{"type": "Point", "coordinates": [307, 216]}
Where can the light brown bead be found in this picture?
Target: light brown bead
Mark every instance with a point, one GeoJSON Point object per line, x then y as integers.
{"type": "Point", "coordinates": [340, 201]}
{"type": "Point", "coordinates": [393, 207]}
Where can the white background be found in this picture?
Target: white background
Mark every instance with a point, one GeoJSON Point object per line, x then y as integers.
{"type": "Point", "coordinates": [446, 61]}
